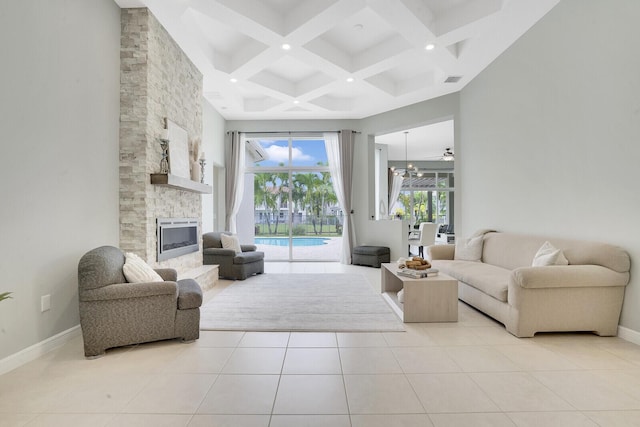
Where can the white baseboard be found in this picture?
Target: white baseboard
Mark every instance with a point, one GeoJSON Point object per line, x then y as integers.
{"type": "Point", "coordinates": [629, 335]}
{"type": "Point", "coordinates": [10, 363]}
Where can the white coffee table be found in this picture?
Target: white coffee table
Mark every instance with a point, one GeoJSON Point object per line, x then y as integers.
{"type": "Point", "coordinates": [430, 299]}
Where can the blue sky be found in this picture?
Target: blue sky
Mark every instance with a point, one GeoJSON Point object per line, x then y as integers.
{"type": "Point", "coordinates": [304, 152]}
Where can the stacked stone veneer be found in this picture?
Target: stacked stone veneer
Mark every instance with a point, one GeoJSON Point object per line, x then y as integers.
{"type": "Point", "coordinates": [157, 81]}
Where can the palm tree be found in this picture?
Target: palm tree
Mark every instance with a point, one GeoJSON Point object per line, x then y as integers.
{"type": "Point", "coordinates": [325, 188]}
{"type": "Point", "coordinates": [263, 194]}
{"type": "Point", "coordinates": [280, 188]}
{"type": "Point", "coordinates": [306, 183]}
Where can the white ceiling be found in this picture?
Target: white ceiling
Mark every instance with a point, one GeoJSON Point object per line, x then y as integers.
{"type": "Point", "coordinates": [423, 143]}
{"type": "Point", "coordinates": [378, 43]}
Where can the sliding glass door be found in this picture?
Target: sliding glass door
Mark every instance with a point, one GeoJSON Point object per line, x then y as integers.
{"type": "Point", "coordinates": [296, 214]}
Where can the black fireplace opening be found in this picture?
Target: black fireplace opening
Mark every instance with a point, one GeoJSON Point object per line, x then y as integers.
{"type": "Point", "coordinates": [176, 237]}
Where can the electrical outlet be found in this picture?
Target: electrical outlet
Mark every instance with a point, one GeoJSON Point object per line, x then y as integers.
{"type": "Point", "coordinates": [45, 303]}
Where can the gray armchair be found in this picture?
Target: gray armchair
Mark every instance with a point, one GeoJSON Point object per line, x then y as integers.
{"type": "Point", "coordinates": [114, 313]}
{"type": "Point", "coordinates": [231, 265]}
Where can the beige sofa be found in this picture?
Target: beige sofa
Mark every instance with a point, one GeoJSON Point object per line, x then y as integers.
{"type": "Point", "coordinates": [585, 295]}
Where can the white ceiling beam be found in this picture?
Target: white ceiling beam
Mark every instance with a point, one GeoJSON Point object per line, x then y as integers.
{"type": "Point", "coordinates": [465, 14]}
{"type": "Point", "coordinates": [312, 18]}
{"type": "Point", "coordinates": [383, 82]}
{"type": "Point", "coordinates": [328, 52]}
{"type": "Point", "coordinates": [259, 62]}
{"type": "Point", "coordinates": [268, 79]}
{"type": "Point", "coordinates": [416, 83]}
{"type": "Point", "coordinates": [383, 52]}
{"type": "Point", "coordinates": [333, 103]}
{"type": "Point", "coordinates": [314, 82]}
{"type": "Point", "coordinates": [220, 12]}
{"type": "Point", "coordinates": [414, 22]}
{"type": "Point", "coordinates": [260, 104]}
{"type": "Point", "coordinates": [410, 18]}
{"type": "Point", "coordinates": [244, 56]}
{"type": "Point", "coordinates": [258, 12]}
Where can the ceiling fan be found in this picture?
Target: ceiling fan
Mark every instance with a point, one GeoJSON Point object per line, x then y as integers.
{"type": "Point", "coordinates": [448, 155]}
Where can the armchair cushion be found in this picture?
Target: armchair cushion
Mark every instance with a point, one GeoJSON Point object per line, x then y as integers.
{"type": "Point", "coordinates": [219, 252]}
{"type": "Point", "coordinates": [137, 271]}
{"type": "Point", "coordinates": [129, 290]}
{"type": "Point", "coordinates": [230, 242]}
{"type": "Point", "coordinates": [167, 274]}
{"type": "Point", "coordinates": [247, 257]}
{"type": "Point", "coordinates": [189, 294]}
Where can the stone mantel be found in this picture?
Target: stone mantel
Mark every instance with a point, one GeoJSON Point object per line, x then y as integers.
{"type": "Point", "coordinates": [180, 183]}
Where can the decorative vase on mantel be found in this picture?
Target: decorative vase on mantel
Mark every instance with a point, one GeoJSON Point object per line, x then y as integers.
{"type": "Point", "coordinates": [195, 171]}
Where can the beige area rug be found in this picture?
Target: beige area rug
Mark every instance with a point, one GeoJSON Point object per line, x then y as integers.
{"type": "Point", "coordinates": [300, 302]}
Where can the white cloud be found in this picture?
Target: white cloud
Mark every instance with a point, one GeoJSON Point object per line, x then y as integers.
{"type": "Point", "coordinates": [280, 154]}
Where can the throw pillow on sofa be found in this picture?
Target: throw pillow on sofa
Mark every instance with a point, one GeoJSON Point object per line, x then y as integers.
{"type": "Point", "coordinates": [231, 242]}
{"type": "Point", "coordinates": [135, 270]}
{"type": "Point", "coordinates": [549, 255]}
{"type": "Point", "coordinates": [469, 249]}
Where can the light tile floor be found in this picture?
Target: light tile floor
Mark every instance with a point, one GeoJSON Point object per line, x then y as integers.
{"type": "Point", "coordinates": [469, 373]}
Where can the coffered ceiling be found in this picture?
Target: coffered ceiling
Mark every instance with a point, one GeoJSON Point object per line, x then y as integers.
{"type": "Point", "coordinates": [347, 59]}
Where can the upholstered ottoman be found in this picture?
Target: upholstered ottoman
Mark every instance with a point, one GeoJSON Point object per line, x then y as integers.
{"type": "Point", "coordinates": [372, 256]}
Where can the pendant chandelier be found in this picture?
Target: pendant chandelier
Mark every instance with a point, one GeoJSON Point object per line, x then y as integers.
{"type": "Point", "coordinates": [407, 166]}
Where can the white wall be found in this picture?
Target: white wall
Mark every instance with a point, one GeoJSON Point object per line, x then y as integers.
{"type": "Point", "coordinates": [550, 132]}
{"type": "Point", "coordinates": [213, 147]}
{"type": "Point", "coordinates": [59, 110]}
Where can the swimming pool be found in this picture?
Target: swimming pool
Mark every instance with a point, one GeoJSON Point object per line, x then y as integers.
{"type": "Point", "coordinates": [297, 241]}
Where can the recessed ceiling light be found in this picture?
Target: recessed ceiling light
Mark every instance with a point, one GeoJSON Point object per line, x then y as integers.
{"type": "Point", "coordinates": [233, 80]}
{"type": "Point", "coordinates": [286, 46]}
{"type": "Point", "coordinates": [296, 102]}
{"type": "Point", "coordinates": [430, 46]}
{"type": "Point", "coordinates": [358, 27]}
{"type": "Point", "coordinates": [350, 79]}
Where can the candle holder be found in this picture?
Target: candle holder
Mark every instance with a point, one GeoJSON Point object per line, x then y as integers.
{"type": "Point", "coordinates": [164, 162]}
{"type": "Point", "coordinates": [202, 163]}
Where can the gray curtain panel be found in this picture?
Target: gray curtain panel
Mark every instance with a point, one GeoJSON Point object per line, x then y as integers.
{"type": "Point", "coordinates": [340, 154]}
{"type": "Point", "coordinates": [234, 182]}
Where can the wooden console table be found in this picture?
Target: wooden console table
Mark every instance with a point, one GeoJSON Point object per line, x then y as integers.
{"type": "Point", "coordinates": [431, 299]}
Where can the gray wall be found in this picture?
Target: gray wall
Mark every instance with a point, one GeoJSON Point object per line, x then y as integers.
{"type": "Point", "coordinates": [550, 134]}
{"type": "Point", "coordinates": [59, 110]}
{"type": "Point", "coordinates": [213, 146]}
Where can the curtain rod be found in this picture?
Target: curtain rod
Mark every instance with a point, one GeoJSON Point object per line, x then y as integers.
{"type": "Point", "coordinates": [291, 132]}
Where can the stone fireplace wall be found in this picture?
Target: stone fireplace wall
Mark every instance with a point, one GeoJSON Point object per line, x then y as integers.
{"type": "Point", "coordinates": [157, 81]}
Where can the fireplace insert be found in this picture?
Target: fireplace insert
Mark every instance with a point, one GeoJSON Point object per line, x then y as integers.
{"type": "Point", "coordinates": [176, 237]}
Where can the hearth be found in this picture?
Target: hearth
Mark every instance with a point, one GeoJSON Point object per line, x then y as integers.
{"type": "Point", "coordinates": [176, 237]}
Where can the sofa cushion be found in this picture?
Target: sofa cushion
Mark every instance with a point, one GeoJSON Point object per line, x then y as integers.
{"type": "Point", "coordinates": [469, 249]}
{"type": "Point", "coordinates": [487, 278]}
{"type": "Point", "coordinates": [248, 257]}
{"type": "Point", "coordinates": [548, 255]}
